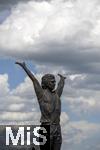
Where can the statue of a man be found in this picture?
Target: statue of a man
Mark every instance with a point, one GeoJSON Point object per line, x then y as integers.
{"type": "Point", "coordinates": [50, 104]}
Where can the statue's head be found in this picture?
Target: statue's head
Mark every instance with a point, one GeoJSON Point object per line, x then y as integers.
{"type": "Point", "coordinates": [48, 81]}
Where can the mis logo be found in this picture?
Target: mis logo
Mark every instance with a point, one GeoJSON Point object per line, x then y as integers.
{"type": "Point", "coordinates": [31, 137]}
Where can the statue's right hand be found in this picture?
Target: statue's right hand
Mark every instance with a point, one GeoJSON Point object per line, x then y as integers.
{"type": "Point", "coordinates": [22, 64]}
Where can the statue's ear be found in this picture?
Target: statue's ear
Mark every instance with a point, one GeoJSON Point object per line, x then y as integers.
{"type": "Point", "coordinates": [48, 82]}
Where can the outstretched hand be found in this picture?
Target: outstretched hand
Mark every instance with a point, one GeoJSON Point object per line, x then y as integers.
{"type": "Point", "coordinates": [22, 64]}
{"type": "Point", "coordinates": [61, 76]}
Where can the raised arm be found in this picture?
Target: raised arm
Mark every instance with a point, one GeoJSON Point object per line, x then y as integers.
{"type": "Point", "coordinates": [37, 86]}
{"type": "Point", "coordinates": [60, 85]}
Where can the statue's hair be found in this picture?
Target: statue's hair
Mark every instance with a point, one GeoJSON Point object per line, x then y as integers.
{"type": "Point", "coordinates": [45, 80]}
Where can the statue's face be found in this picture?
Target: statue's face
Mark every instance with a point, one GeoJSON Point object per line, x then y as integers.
{"type": "Point", "coordinates": [48, 82]}
{"type": "Point", "coordinates": [51, 84]}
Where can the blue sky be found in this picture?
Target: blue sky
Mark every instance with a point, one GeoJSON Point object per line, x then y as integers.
{"type": "Point", "coordinates": [8, 66]}
{"type": "Point", "coordinates": [53, 37]}
{"type": "Point", "coordinates": [16, 76]}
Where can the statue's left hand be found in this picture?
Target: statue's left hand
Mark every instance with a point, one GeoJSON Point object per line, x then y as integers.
{"type": "Point", "coordinates": [61, 76]}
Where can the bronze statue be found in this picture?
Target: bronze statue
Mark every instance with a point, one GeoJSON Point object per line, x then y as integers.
{"type": "Point", "coordinates": [50, 104]}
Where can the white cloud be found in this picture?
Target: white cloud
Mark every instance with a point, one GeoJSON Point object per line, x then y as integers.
{"type": "Point", "coordinates": [15, 107]}
{"type": "Point", "coordinates": [77, 77]}
{"type": "Point", "coordinates": [24, 90]}
{"type": "Point", "coordinates": [32, 26]}
{"type": "Point", "coordinates": [75, 132]}
{"type": "Point", "coordinates": [4, 86]}
{"type": "Point", "coordinates": [64, 118]}
{"type": "Point", "coordinates": [16, 116]}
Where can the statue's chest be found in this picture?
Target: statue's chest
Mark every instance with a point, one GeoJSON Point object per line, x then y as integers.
{"type": "Point", "coordinates": [52, 99]}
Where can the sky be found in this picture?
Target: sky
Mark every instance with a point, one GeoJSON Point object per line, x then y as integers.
{"type": "Point", "coordinates": [52, 36]}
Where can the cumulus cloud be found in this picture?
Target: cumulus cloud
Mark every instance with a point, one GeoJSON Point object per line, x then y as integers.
{"type": "Point", "coordinates": [79, 132]}
{"type": "Point", "coordinates": [4, 86]}
{"type": "Point", "coordinates": [74, 38]}
{"type": "Point", "coordinates": [17, 106]}
{"type": "Point", "coordinates": [25, 89]}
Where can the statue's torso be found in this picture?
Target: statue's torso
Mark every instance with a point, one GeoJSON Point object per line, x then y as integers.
{"type": "Point", "coordinates": [50, 106]}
